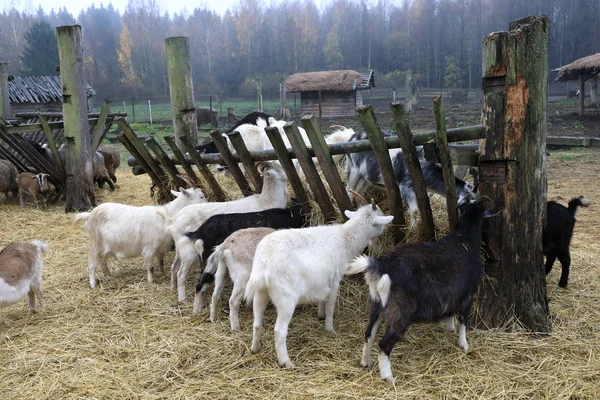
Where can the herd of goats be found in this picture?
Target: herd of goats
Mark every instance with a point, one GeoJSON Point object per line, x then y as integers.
{"type": "Point", "coordinates": [271, 254]}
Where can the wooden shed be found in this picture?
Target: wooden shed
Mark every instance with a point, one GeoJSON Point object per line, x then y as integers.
{"type": "Point", "coordinates": [38, 93]}
{"type": "Point", "coordinates": [582, 69]}
{"type": "Point", "coordinates": [330, 93]}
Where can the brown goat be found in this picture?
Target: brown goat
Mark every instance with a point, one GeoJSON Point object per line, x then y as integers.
{"type": "Point", "coordinates": [34, 185]}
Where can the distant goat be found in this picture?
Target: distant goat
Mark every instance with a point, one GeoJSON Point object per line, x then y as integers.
{"type": "Point", "coordinates": [557, 235]}
{"type": "Point", "coordinates": [362, 170]}
{"type": "Point", "coordinates": [299, 266]}
{"type": "Point", "coordinates": [218, 227]}
{"type": "Point", "coordinates": [21, 273]}
{"type": "Point", "coordinates": [206, 115]}
{"type": "Point", "coordinates": [423, 282]}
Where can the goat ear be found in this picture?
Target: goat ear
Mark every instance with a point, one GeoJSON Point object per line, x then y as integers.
{"type": "Point", "coordinates": [349, 213]}
{"type": "Point", "coordinates": [184, 192]}
{"type": "Point", "coordinates": [491, 213]}
{"type": "Point", "coordinates": [34, 177]}
{"type": "Point", "coordinates": [383, 219]}
{"type": "Point", "coordinates": [175, 193]}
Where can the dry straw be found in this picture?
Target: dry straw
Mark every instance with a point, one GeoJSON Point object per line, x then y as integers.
{"type": "Point", "coordinates": [131, 339]}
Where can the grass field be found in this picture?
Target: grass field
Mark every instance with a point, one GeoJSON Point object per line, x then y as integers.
{"type": "Point", "coordinates": [128, 339]}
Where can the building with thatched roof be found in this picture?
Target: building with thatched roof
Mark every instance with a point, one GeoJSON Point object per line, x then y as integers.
{"type": "Point", "coordinates": [582, 70]}
{"type": "Point", "coordinates": [38, 93]}
{"type": "Point", "coordinates": [330, 93]}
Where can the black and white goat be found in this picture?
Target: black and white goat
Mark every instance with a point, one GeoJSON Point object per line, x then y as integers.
{"type": "Point", "coordinates": [423, 282]}
{"type": "Point", "coordinates": [362, 170]}
{"type": "Point", "coordinates": [557, 235]}
{"type": "Point", "coordinates": [218, 227]}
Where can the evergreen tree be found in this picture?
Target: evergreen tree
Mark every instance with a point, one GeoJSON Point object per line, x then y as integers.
{"type": "Point", "coordinates": [40, 56]}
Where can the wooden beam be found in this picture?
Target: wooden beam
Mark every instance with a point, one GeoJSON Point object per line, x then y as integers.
{"type": "Point", "coordinates": [288, 166]}
{"type": "Point", "coordinates": [202, 167]}
{"type": "Point", "coordinates": [141, 150]}
{"type": "Point", "coordinates": [446, 162]}
{"type": "Point", "coordinates": [411, 159]}
{"type": "Point", "coordinates": [99, 130]}
{"type": "Point", "coordinates": [4, 93]}
{"type": "Point", "coordinates": [170, 140]}
{"type": "Point", "coordinates": [58, 162]}
{"type": "Point", "coordinates": [328, 166]}
{"type": "Point", "coordinates": [244, 155]}
{"type": "Point", "coordinates": [166, 162]}
{"type": "Point", "coordinates": [232, 164]}
{"type": "Point", "coordinates": [581, 94]}
{"type": "Point", "coordinates": [380, 149]}
{"type": "Point", "coordinates": [143, 166]}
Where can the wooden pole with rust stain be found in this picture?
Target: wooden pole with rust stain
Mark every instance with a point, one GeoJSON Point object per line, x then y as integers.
{"type": "Point", "coordinates": [288, 166]}
{"type": "Point", "coordinates": [380, 149]}
{"type": "Point", "coordinates": [445, 161]}
{"type": "Point", "coordinates": [232, 165]}
{"type": "Point", "coordinates": [181, 89]}
{"type": "Point", "coordinates": [411, 159]}
{"type": "Point", "coordinates": [240, 148]}
{"type": "Point", "coordinates": [512, 172]}
{"type": "Point", "coordinates": [79, 186]}
{"type": "Point", "coordinates": [312, 175]}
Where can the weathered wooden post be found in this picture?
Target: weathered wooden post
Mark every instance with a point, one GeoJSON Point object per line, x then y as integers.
{"type": "Point", "coordinates": [4, 94]}
{"type": "Point", "coordinates": [581, 94]}
{"type": "Point", "coordinates": [79, 187]}
{"type": "Point", "coordinates": [409, 99]}
{"type": "Point", "coordinates": [512, 172]}
{"type": "Point", "coordinates": [181, 89]}
{"type": "Point", "coordinates": [259, 94]}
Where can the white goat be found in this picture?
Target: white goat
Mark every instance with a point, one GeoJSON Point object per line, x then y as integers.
{"type": "Point", "coordinates": [306, 266]}
{"type": "Point", "coordinates": [125, 231]}
{"type": "Point", "coordinates": [235, 255]}
{"type": "Point", "coordinates": [21, 273]}
{"type": "Point", "coordinates": [273, 195]}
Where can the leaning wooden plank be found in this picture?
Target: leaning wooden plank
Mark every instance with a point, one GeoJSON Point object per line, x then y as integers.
{"type": "Point", "coordinates": [244, 155]}
{"type": "Point", "coordinates": [310, 171]}
{"type": "Point", "coordinates": [98, 130]}
{"type": "Point", "coordinates": [328, 166]}
{"type": "Point", "coordinates": [7, 155]}
{"type": "Point", "coordinates": [165, 162]}
{"type": "Point", "coordinates": [201, 165]}
{"type": "Point", "coordinates": [141, 149]}
{"type": "Point", "coordinates": [411, 159]}
{"type": "Point", "coordinates": [380, 149]}
{"type": "Point", "coordinates": [183, 162]}
{"type": "Point", "coordinates": [460, 171]}
{"type": "Point", "coordinates": [142, 162]}
{"type": "Point", "coordinates": [232, 165]}
{"type": "Point", "coordinates": [288, 166]}
{"type": "Point", "coordinates": [39, 162]}
{"type": "Point", "coordinates": [445, 161]}
{"type": "Point", "coordinates": [52, 144]}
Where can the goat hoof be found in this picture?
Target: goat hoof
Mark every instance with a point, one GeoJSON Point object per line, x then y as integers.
{"type": "Point", "coordinates": [287, 364]}
{"type": "Point", "coordinates": [365, 365]}
{"type": "Point", "coordinates": [389, 380]}
{"type": "Point", "coordinates": [562, 284]}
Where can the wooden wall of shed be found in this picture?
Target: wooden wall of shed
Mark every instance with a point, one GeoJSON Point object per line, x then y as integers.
{"type": "Point", "coordinates": [334, 104]}
{"type": "Point", "coordinates": [33, 107]}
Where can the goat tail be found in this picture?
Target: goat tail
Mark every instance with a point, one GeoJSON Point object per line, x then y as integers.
{"type": "Point", "coordinates": [41, 246]}
{"type": "Point", "coordinates": [199, 246]}
{"type": "Point", "coordinates": [379, 284]}
{"type": "Point", "coordinates": [84, 216]}
{"type": "Point", "coordinates": [255, 283]}
{"type": "Point", "coordinates": [212, 263]}
{"type": "Point", "coordinates": [577, 202]}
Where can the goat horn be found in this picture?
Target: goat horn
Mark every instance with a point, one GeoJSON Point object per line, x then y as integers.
{"type": "Point", "coordinates": [358, 196]}
{"type": "Point", "coordinates": [337, 127]}
{"type": "Point", "coordinates": [482, 197]}
{"type": "Point", "coordinates": [373, 204]}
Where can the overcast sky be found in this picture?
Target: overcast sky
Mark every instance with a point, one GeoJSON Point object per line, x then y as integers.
{"type": "Point", "coordinates": [75, 6]}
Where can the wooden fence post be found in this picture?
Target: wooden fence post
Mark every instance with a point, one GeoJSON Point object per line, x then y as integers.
{"type": "Point", "coordinates": [512, 172]}
{"type": "Point", "coordinates": [232, 165]}
{"type": "Point", "coordinates": [181, 89]}
{"type": "Point", "coordinates": [4, 93]}
{"type": "Point", "coordinates": [79, 187]}
{"type": "Point", "coordinates": [411, 159]}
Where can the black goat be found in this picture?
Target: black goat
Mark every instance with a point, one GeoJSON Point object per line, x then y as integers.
{"type": "Point", "coordinates": [423, 282]}
{"type": "Point", "coordinates": [556, 237]}
{"type": "Point", "coordinates": [218, 227]}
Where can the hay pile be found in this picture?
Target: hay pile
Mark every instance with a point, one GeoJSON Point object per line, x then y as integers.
{"type": "Point", "coordinates": [130, 339]}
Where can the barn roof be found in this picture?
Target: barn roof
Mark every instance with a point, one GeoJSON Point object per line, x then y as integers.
{"type": "Point", "coordinates": [587, 66]}
{"type": "Point", "coordinates": [38, 89]}
{"type": "Point", "coordinates": [334, 81]}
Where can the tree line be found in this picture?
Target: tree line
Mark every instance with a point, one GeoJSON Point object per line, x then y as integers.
{"type": "Point", "coordinates": [438, 40]}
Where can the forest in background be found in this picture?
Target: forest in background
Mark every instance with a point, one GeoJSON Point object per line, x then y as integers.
{"type": "Point", "coordinates": [438, 40]}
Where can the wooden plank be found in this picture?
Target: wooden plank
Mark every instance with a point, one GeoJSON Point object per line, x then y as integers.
{"type": "Point", "coordinates": [310, 171]}
{"type": "Point", "coordinates": [165, 162]}
{"type": "Point", "coordinates": [460, 171]}
{"type": "Point", "coordinates": [7, 155]}
{"type": "Point", "coordinates": [246, 158]}
{"type": "Point", "coordinates": [446, 162]}
{"type": "Point", "coordinates": [232, 164]}
{"type": "Point", "coordinates": [380, 149]}
{"type": "Point", "coordinates": [58, 162]}
{"type": "Point", "coordinates": [288, 166]}
{"type": "Point", "coordinates": [38, 161]}
{"type": "Point", "coordinates": [99, 130]}
{"type": "Point", "coordinates": [170, 140]}
{"type": "Point", "coordinates": [141, 150]}
{"type": "Point", "coordinates": [143, 165]}
{"type": "Point", "coordinates": [202, 167]}
{"type": "Point", "coordinates": [411, 159]}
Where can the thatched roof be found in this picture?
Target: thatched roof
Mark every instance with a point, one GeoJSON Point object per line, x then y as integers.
{"type": "Point", "coordinates": [334, 81]}
{"type": "Point", "coordinates": [587, 66]}
{"type": "Point", "coordinates": [38, 89]}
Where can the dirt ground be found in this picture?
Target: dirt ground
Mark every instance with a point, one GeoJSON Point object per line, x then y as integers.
{"type": "Point", "coordinates": [131, 339]}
